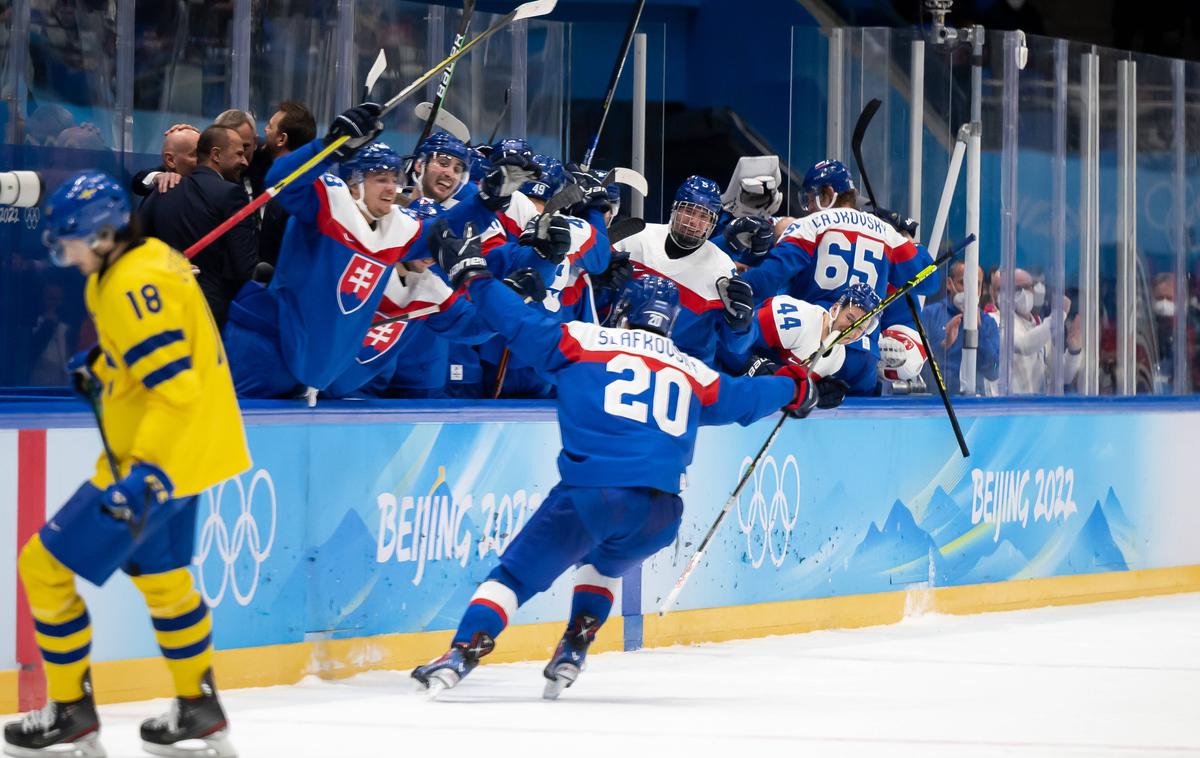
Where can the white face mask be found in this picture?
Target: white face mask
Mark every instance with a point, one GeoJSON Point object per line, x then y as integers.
{"type": "Point", "coordinates": [1039, 294]}
{"type": "Point", "coordinates": [1023, 302]}
{"type": "Point", "coordinates": [1164, 307]}
{"type": "Point", "coordinates": [960, 300]}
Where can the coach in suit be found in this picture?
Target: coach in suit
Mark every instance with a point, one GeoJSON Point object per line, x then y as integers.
{"type": "Point", "coordinates": [202, 200]}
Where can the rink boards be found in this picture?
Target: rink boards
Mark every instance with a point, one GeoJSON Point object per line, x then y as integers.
{"type": "Point", "coordinates": [361, 531]}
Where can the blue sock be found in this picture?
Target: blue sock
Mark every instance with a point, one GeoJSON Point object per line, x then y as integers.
{"type": "Point", "coordinates": [593, 594]}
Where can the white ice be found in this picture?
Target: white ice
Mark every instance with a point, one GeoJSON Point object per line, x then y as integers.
{"type": "Point", "coordinates": [1109, 679]}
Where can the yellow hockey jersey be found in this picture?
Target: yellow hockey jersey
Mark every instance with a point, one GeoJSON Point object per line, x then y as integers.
{"type": "Point", "coordinates": [168, 398]}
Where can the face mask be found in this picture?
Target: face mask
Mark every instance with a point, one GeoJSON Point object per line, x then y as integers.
{"type": "Point", "coordinates": [1039, 294]}
{"type": "Point", "coordinates": [960, 300]}
{"type": "Point", "coordinates": [1164, 308]}
{"type": "Point", "coordinates": [1023, 302]}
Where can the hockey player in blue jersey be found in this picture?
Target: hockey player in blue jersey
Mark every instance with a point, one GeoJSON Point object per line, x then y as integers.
{"type": "Point", "coordinates": [629, 406]}
{"type": "Point", "coordinates": [442, 168]}
{"type": "Point", "coordinates": [341, 242]}
{"type": "Point", "coordinates": [716, 304]}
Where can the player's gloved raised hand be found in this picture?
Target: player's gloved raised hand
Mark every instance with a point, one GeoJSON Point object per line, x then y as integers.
{"type": "Point", "coordinates": [460, 257]}
{"type": "Point", "coordinates": [762, 367]}
{"type": "Point", "coordinates": [831, 393]}
{"type": "Point", "coordinates": [595, 195]}
{"type": "Point", "coordinates": [145, 486]}
{"type": "Point", "coordinates": [549, 235]}
{"type": "Point", "coordinates": [806, 396]}
{"type": "Point", "coordinates": [82, 367]}
{"type": "Point", "coordinates": [527, 283]}
{"type": "Point", "coordinates": [510, 164]}
{"type": "Point", "coordinates": [360, 124]}
{"type": "Point", "coordinates": [738, 300]}
{"type": "Point", "coordinates": [618, 273]}
{"type": "Point", "coordinates": [753, 234]}
{"type": "Point", "coordinates": [902, 224]}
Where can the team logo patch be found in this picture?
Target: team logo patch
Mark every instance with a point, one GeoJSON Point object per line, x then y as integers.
{"type": "Point", "coordinates": [379, 340]}
{"type": "Point", "coordinates": [358, 281]}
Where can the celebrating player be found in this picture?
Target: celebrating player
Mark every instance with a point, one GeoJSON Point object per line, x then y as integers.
{"type": "Point", "coordinates": [170, 422]}
{"type": "Point", "coordinates": [626, 395]}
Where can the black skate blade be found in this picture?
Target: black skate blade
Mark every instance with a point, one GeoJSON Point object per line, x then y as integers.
{"type": "Point", "coordinates": [215, 745]}
{"type": "Point", "coordinates": [86, 747]}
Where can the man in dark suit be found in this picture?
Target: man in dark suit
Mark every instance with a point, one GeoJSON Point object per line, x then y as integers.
{"type": "Point", "coordinates": [200, 202]}
{"type": "Point", "coordinates": [290, 127]}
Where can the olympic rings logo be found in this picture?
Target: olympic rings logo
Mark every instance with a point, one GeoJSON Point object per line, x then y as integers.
{"type": "Point", "coordinates": [241, 551]}
{"type": "Point", "coordinates": [768, 519]}
{"type": "Point", "coordinates": [33, 217]}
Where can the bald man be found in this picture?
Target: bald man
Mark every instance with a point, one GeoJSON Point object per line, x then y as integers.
{"type": "Point", "coordinates": [178, 160]}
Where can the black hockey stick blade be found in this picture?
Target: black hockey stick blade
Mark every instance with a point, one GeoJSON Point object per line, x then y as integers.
{"type": "Point", "coordinates": [856, 140]}
{"type": "Point", "coordinates": [564, 198]}
{"type": "Point", "coordinates": [624, 228]}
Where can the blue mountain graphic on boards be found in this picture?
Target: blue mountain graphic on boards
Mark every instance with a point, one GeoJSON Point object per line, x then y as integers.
{"type": "Point", "coordinates": [899, 553]}
{"type": "Point", "coordinates": [1002, 564]}
{"type": "Point", "coordinates": [1093, 549]}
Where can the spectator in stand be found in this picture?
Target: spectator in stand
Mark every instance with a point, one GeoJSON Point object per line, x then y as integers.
{"type": "Point", "coordinates": [291, 126]}
{"type": "Point", "coordinates": [943, 322]}
{"type": "Point", "coordinates": [1030, 369]}
{"type": "Point", "coordinates": [178, 160]}
{"type": "Point", "coordinates": [204, 199]}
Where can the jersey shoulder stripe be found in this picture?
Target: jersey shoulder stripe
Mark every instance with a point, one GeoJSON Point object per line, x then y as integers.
{"type": "Point", "coordinates": [339, 219]}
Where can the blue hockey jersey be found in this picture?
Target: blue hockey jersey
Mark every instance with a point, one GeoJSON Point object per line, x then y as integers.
{"type": "Point", "coordinates": [629, 401]}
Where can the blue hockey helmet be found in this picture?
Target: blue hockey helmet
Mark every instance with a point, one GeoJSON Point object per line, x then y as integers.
{"type": "Point", "coordinates": [858, 295]}
{"type": "Point", "coordinates": [444, 143]}
{"type": "Point", "coordinates": [82, 207]}
{"type": "Point", "coordinates": [650, 303]}
{"type": "Point", "coordinates": [479, 164]}
{"type": "Point", "coordinates": [552, 179]}
{"type": "Point", "coordinates": [695, 211]}
{"type": "Point", "coordinates": [372, 158]}
{"type": "Point", "coordinates": [425, 207]}
{"type": "Point", "coordinates": [828, 173]}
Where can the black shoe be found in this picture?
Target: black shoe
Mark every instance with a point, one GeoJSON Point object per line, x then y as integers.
{"type": "Point", "coordinates": [191, 718]}
{"type": "Point", "coordinates": [566, 664]}
{"type": "Point", "coordinates": [460, 660]}
{"type": "Point", "coordinates": [72, 728]}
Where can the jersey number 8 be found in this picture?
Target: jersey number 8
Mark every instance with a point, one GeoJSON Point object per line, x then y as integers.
{"type": "Point", "coordinates": [673, 421]}
{"type": "Point", "coordinates": [832, 269]}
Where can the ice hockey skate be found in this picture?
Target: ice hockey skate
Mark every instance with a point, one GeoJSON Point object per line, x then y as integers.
{"type": "Point", "coordinates": [194, 727]}
{"type": "Point", "coordinates": [446, 672]}
{"type": "Point", "coordinates": [568, 660]}
{"type": "Point", "coordinates": [63, 730]}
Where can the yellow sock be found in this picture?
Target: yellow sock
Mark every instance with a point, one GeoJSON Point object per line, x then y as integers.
{"type": "Point", "coordinates": [182, 625]}
{"type": "Point", "coordinates": [63, 629]}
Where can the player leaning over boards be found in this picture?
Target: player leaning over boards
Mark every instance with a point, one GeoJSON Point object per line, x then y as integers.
{"type": "Point", "coordinates": [629, 405]}
{"type": "Point", "coordinates": [172, 425]}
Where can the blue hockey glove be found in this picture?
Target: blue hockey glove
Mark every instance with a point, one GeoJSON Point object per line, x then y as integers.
{"type": "Point", "coordinates": [750, 234]}
{"type": "Point", "coordinates": [902, 224]}
{"type": "Point", "coordinates": [527, 283]}
{"type": "Point", "coordinates": [82, 367]}
{"type": "Point", "coordinates": [460, 257]}
{"type": "Point", "coordinates": [360, 123]}
{"type": "Point", "coordinates": [128, 499]}
{"type": "Point", "coordinates": [549, 236]}
{"type": "Point", "coordinates": [738, 299]}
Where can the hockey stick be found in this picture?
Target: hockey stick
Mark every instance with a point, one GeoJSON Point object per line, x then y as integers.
{"type": "Point", "coordinates": [623, 229]}
{"type": "Point", "coordinates": [860, 131]}
{"type": "Point", "coordinates": [526, 10]}
{"type": "Point", "coordinates": [377, 69]}
{"type": "Point", "coordinates": [612, 84]}
{"type": "Point", "coordinates": [444, 120]}
{"type": "Point", "coordinates": [921, 275]}
{"type": "Point", "coordinates": [440, 97]}
{"type": "Point", "coordinates": [124, 512]}
{"type": "Point", "coordinates": [500, 118]}
{"type": "Point", "coordinates": [629, 178]}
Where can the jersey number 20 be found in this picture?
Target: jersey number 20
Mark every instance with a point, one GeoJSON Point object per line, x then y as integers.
{"type": "Point", "coordinates": [832, 270]}
{"type": "Point", "coordinates": [672, 420]}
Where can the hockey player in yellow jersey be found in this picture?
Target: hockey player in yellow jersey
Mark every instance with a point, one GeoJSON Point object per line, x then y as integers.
{"type": "Point", "coordinates": [160, 385]}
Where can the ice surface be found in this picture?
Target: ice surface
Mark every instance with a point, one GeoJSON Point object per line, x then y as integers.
{"type": "Point", "coordinates": [1110, 679]}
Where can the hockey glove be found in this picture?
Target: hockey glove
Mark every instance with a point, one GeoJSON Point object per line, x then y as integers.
{"type": "Point", "coordinates": [751, 234]}
{"type": "Point", "coordinates": [738, 300]}
{"type": "Point", "coordinates": [549, 236]}
{"type": "Point", "coordinates": [831, 393]}
{"type": "Point", "coordinates": [806, 396]}
{"type": "Point", "coordinates": [460, 257]}
{"type": "Point", "coordinates": [762, 367]}
{"type": "Point", "coordinates": [509, 170]}
{"type": "Point", "coordinates": [82, 367]}
{"type": "Point", "coordinates": [902, 224]}
{"type": "Point", "coordinates": [128, 499]}
{"type": "Point", "coordinates": [618, 273]}
{"type": "Point", "coordinates": [595, 194]}
{"type": "Point", "coordinates": [527, 283]}
{"type": "Point", "coordinates": [360, 123]}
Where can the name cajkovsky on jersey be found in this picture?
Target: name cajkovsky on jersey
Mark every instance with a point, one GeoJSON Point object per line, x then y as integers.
{"type": "Point", "coordinates": [422, 528]}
